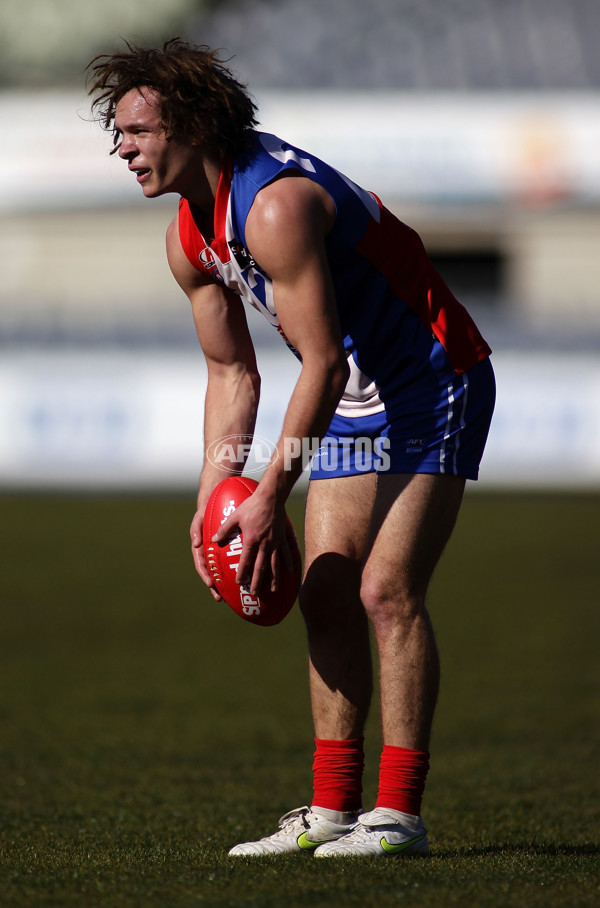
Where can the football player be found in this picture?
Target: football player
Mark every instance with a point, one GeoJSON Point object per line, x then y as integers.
{"type": "Point", "coordinates": [395, 381]}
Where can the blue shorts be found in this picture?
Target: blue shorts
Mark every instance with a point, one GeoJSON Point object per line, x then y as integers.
{"type": "Point", "coordinates": [432, 429]}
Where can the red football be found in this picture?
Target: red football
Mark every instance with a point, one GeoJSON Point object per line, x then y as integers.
{"type": "Point", "coordinates": [222, 560]}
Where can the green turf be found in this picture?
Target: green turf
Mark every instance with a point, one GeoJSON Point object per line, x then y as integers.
{"type": "Point", "coordinates": [145, 729]}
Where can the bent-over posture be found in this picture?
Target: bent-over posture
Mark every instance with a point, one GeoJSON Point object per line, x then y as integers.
{"type": "Point", "coordinates": [395, 382]}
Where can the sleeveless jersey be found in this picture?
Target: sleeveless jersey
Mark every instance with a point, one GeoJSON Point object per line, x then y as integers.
{"type": "Point", "coordinates": [399, 320]}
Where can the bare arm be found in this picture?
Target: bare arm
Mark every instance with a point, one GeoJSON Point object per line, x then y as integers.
{"type": "Point", "coordinates": [285, 233]}
{"type": "Point", "coordinates": [233, 381]}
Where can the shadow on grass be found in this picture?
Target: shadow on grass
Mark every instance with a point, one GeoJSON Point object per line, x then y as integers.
{"type": "Point", "coordinates": [553, 851]}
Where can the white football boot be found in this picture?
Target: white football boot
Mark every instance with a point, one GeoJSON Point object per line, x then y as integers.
{"type": "Point", "coordinates": [383, 832]}
{"type": "Point", "coordinates": [302, 829]}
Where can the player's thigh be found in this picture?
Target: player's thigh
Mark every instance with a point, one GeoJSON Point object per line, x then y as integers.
{"type": "Point", "coordinates": [412, 520]}
{"type": "Point", "coordinates": [336, 531]}
{"type": "Point", "coordinates": [337, 517]}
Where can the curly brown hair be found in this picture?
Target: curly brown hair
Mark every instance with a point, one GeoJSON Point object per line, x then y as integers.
{"type": "Point", "coordinates": [200, 100]}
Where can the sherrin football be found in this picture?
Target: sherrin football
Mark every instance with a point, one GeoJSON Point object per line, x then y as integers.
{"type": "Point", "coordinates": [268, 608]}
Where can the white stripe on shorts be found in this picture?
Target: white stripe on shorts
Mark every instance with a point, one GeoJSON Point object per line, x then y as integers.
{"type": "Point", "coordinates": [449, 424]}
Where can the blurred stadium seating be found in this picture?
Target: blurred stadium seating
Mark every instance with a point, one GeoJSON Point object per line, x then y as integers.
{"type": "Point", "coordinates": [422, 45]}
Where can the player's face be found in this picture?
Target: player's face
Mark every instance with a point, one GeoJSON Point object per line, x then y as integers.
{"type": "Point", "coordinates": [160, 164]}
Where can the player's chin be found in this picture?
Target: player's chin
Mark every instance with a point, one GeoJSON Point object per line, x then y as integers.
{"type": "Point", "coordinates": [153, 187]}
{"type": "Point", "coordinates": [152, 192]}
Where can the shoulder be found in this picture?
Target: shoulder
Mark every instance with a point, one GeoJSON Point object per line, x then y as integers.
{"type": "Point", "coordinates": [184, 272]}
{"type": "Point", "coordinates": [173, 240]}
{"type": "Point", "coordinates": [287, 225]}
{"type": "Point", "coordinates": [173, 231]}
{"type": "Point", "coordinates": [292, 200]}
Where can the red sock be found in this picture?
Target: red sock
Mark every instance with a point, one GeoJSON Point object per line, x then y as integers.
{"type": "Point", "coordinates": [402, 775]}
{"type": "Point", "coordinates": [337, 772]}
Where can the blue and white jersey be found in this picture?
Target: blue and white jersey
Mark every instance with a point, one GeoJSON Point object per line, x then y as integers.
{"type": "Point", "coordinates": [400, 322]}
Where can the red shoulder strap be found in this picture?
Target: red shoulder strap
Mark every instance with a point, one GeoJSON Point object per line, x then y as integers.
{"type": "Point", "coordinates": [192, 241]}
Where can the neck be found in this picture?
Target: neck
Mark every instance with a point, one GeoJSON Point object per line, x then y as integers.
{"type": "Point", "coordinates": [203, 192]}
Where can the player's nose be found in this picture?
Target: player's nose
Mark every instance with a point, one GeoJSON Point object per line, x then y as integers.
{"type": "Point", "coordinates": [127, 148]}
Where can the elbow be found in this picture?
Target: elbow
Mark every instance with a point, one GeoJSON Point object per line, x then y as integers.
{"type": "Point", "coordinates": [338, 377]}
{"type": "Point", "coordinates": [344, 374]}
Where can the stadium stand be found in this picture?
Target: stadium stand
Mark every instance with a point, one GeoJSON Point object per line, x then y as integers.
{"type": "Point", "coordinates": [466, 45]}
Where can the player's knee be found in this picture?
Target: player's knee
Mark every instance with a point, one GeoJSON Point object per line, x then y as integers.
{"type": "Point", "coordinates": [389, 603]}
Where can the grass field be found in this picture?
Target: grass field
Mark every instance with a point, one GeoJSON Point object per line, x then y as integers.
{"type": "Point", "coordinates": [145, 729]}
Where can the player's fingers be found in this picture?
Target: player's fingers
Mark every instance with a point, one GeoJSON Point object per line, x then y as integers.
{"type": "Point", "coordinates": [196, 529]}
{"type": "Point", "coordinates": [227, 528]}
{"type": "Point", "coordinates": [252, 568]}
{"type": "Point", "coordinates": [275, 570]}
{"type": "Point", "coordinates": [244, 567]}
{"type": "Point", "coordinates": [202, 570]}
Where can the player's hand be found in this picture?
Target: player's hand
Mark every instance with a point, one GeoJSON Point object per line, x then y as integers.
{"type": "Point", "coordinates": [265, 549]}
{"type": "Point", "coordinates": [198, 554]}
